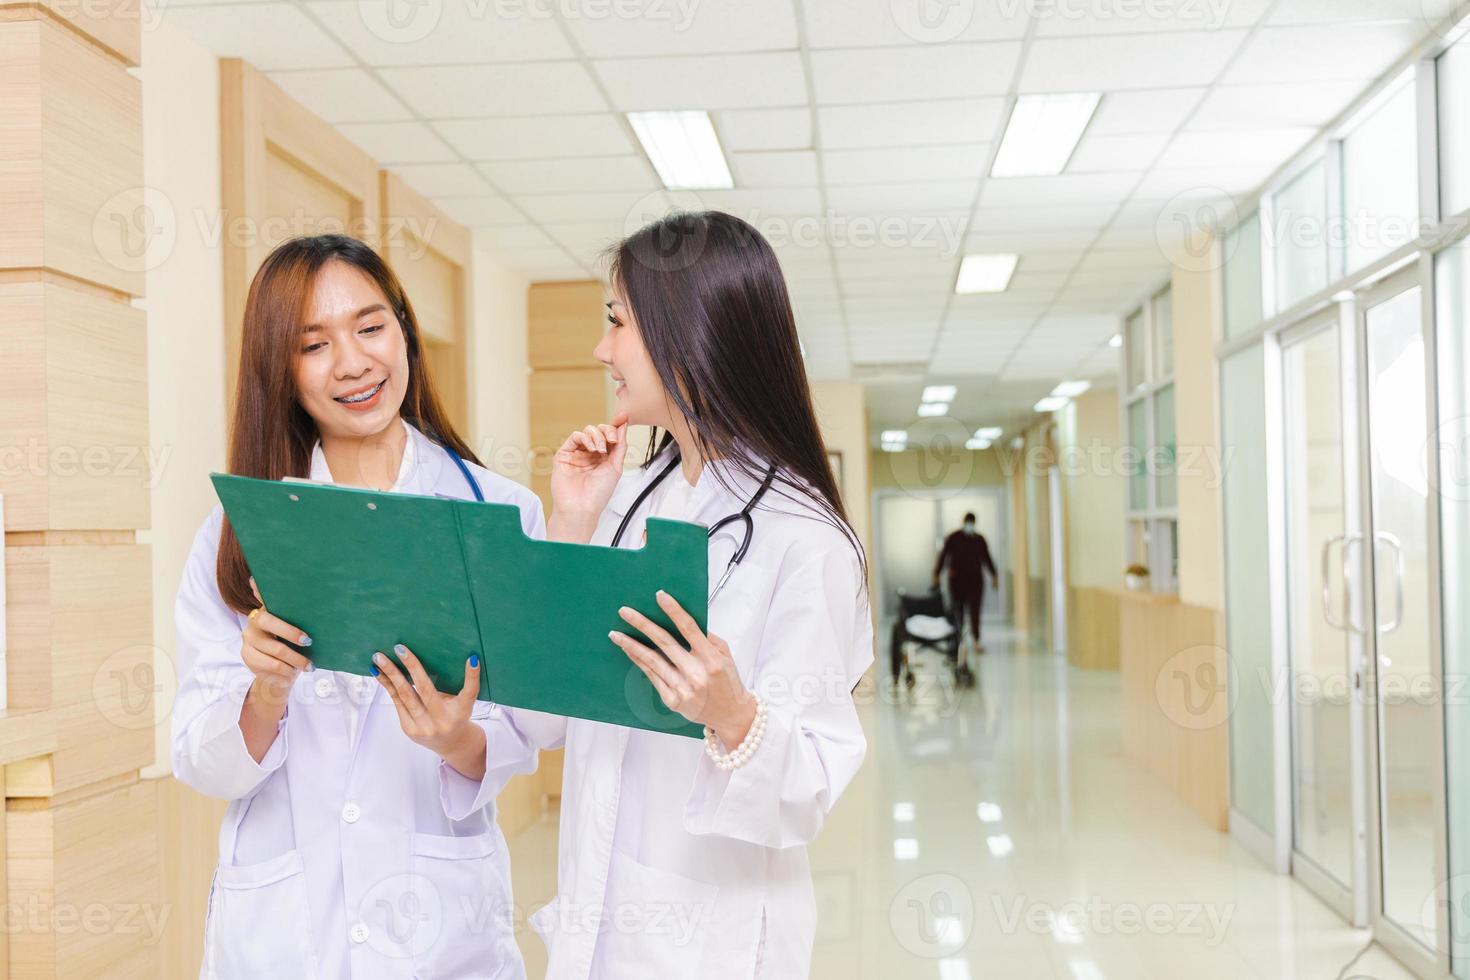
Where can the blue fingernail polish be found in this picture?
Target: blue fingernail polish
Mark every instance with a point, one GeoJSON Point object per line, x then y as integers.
{"type": "Point", "coordinates": [305, 640]}
{"type": "Point", "coordinates": [375, 670]}
{"type": "Point", "coordinates": [474, 661]}
{"type": "Point", "coordinates": [400, 649]}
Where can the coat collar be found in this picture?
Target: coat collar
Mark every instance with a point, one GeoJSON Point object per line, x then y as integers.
{"type": "Point", "coordinates": [418, 472]}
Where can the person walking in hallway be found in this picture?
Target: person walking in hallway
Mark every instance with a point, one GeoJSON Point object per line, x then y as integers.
{"type": "Point", "coordinates": [968, 556]}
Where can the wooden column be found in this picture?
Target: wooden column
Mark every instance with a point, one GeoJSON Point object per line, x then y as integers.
{"type": "Point", "coordinates": [79, 845]}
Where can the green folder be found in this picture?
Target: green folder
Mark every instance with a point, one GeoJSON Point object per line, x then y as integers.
{"type": "Point", "coordinates": [361, 570]}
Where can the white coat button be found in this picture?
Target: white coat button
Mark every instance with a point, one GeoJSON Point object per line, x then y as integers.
{"type": "Point", "coordinates": [359, 932]}
{"type": "Point", "coordinates": [351, 812]}
{"type": "Point", "coordinates": [324, 687]}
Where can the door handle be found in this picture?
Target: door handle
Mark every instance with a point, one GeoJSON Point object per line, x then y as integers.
{"type": "Point", "coordinates": [1347, 596]}
{"type": "Point", "coordinates": [1398, 580]}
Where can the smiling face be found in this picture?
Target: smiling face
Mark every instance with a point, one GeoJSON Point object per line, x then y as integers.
{"type": "Point", "coordinates": [351, 367]}
{"type": "Point", "coordinates": [640, 390]}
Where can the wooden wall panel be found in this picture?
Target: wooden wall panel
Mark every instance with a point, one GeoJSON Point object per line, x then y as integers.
{"type": "Point", "coordinates": [1174, 703]}
{"type": "Point", "coordinates": [71, 142]}
{"type": "Point", "coordinates": [74, 422]}
{"type": "Point", "coordinates": [284, 172]}
{"type": "Point", "coordinates": [1092, 628]}
{"type": "Point", "coordinates": [188, 844]}
{"type": "Point", "coordinates": [431, 256]}
{"type": "Point", "coordinates": [115, 26]}
{"type": "Point", "coordinates": [83, 875]}
{"type": "Point", "coordinates": [567, 320]}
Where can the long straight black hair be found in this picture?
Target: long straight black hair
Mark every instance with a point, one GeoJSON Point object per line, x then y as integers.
{"type": "Point", "coordinates": [714, 314]}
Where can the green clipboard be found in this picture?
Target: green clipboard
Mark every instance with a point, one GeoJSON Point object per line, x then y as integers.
{"type": "Point", "coordinates": [361, 570]}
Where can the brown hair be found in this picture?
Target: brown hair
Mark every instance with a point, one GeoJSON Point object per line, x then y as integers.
{"type": "Point", "coordinates": [271, 435]}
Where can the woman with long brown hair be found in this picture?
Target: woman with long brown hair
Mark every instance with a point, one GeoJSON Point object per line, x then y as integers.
{"type": "Point", "coordinates": [360, 839]}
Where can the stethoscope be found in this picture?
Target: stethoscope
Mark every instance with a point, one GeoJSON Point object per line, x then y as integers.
{"type": "Point", "coordinates": [744, 517]}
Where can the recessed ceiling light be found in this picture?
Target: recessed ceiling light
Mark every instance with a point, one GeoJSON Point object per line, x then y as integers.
{"type": "Point", "coordinates": [974, 444]}
{"type": "Point", "coordinates": [1071, 389]}
{"type": "Point", "coordinates": [683, 148]}
{"type": "Point", "coordinates": [985, 273]}
{"type": "Point", "coordinates": [989, 432]}
{"type": "Point", "coordinates": [939, 393]}
{"type": "Point", "coordinates": [929, 410]}
{"type": "Point", "coordinates": [895, 435]}
{"type": "Point", "coordinates": [1042, 133]}
{"type": "Point", "coordinates": [1050, 403]}
{"type": "Point", "coordinates": [1116, 340]}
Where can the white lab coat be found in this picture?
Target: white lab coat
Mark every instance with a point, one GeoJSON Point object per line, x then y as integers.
{"type": "Point", "coordinates": [338, 857]}
{"type": "Point", "coordinates": [669, 866]}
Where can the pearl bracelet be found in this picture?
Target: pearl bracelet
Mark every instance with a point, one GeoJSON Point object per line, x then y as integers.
{"type": "Point", "coordinates": [742, 753]}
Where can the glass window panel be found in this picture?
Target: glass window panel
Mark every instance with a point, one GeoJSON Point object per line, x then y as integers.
{"type": "Point", "coordinates": [1454, 128]}
{"type": "Point", "coordinates": [1298, 237]}
{"type": "Point", "coordinates": [1164, 334]}
{"type": "Point", "coordinates": [1380, 179]}
{"type": "Point", "coordinates": [1452, 446]}
{"type": "Point", "coordinates": [1138, 440]}
{"type": "Point", "coordinates": [1137, 345]}
{"type": "Point", "coordinates": [1243, 277]}
{"type": "Point", "coordinates": [1247, 588]}
{"type": "Point", "coordinates": [1162, 461]}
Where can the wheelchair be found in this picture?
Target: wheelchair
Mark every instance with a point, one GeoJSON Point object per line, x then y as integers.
{"type": "Point", "coordinates": [924, 622]}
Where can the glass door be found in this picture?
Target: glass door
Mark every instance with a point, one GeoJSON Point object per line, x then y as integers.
{"type": "Point", "coordinates": [1324, 635]}
{"type": "Point", "coordinates": [1406, 724]}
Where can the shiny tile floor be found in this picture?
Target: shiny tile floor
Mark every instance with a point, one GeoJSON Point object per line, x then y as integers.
{"type": "Point", "coordinates": [997, 832]}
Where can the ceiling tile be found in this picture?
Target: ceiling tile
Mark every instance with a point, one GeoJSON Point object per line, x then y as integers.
{"type": "Point", "coordinates": [1343, 11]}
{"type": "Point", "coordinates": [469, 91]}
{"type": "Point", "coordinates": [931, 123]}
{"type": "Point", "coordinates": [851, 25]}
{"type": "Point", "coordinates": [1252, 149]}
{"type": "Point", "coordinates": [775, 168]}
{"type": "Point", "coordinates": [1081, 189]}
{"type": "Point", "coordinates": [480, 211]}
{"type": "Point", "coordinates": [997, 218]}
{"type": "Point", "coordinates": [271, 36]}
{"type": "Point", "coordinates": [628, 207]}
{"type": "Point", "coordinates": [1280, 106]}
{"type": "Point", "coordinates": [1112, 154]}
{"type": "Point", "coordinates": [930, 195]}
{"type": "Point", "coordinates": [1062, 19]}
{"type": "Point", "coordinates": [535, 138]}
{"type": "Point", "coordinates": [764, 129]}
{"type": "Point", "coordinates": [670, 28]}
{"type": "Point", "coordinates": [1321, 53]}
{"type": "Point", "coordinates": [440, 33]}
{"type": "Point", "coordinates": [398, 142]}
{"type": "Point", "coordinates": [443, 179]}
{"type": "Point", "coordinates": [904, 164]}
{"type": "Point", "coordinates": [505, 237]}
{"type": "Point", "coordinates": [588, 174]}
{"type": "Point", "coordinates": [344, 95]}
{"type": "Point", "coordinates": [725, 81]}
{"type": "Point", "coordinates": [1149, 111]}
{"type": "Point", "coordinates": [1138, 61]}
{"type": "Point", "coordinates": [913, 73]}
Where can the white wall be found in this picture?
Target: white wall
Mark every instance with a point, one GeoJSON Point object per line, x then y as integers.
{"type": "Point", "coordinates": [500, 367]}
{"type": "Point", "coordinates": [185, 304]}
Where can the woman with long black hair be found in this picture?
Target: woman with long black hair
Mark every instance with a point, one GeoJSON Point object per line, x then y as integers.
{"type": "Point", "coordinates": [682, 858]}
{"type": "Point", "coordinates": [360, 839]}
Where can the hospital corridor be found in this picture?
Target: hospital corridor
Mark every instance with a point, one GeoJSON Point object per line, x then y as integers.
{"type": "Point", "coordinates": [735, 489]}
